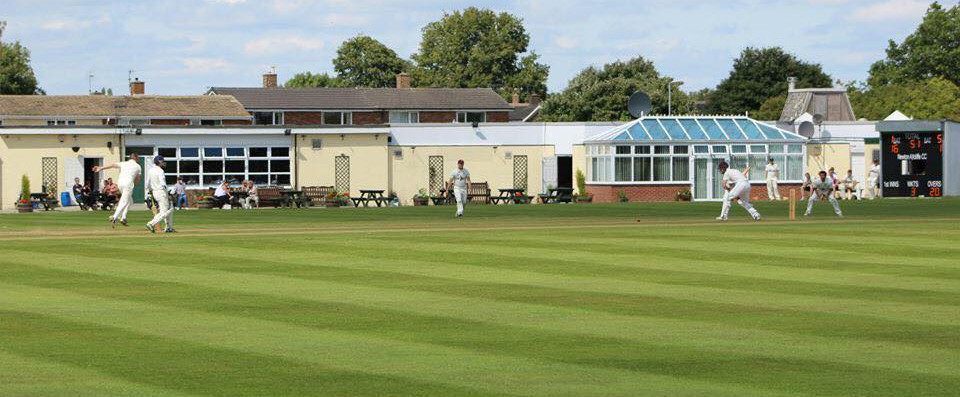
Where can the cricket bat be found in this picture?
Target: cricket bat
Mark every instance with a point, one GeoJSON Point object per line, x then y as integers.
{"type": "Point", "coordinates": [154, 210]}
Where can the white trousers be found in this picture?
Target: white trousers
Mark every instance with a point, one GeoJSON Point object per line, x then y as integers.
{"type": "Point", "coordinates": [250, 201]}
{"type": "Point", "coordinates": [164, 212]}
{"type": "Point", "coordinates": [872, 190]}
{"type": "Point", "coordinates": [741, 192]}
{"type": "Point", "coordinates": [773, 191]}
{"type": "Point", "coordinates": [460, 194]}
{"type": "Point", "coordinates": [816, 197]}
{"type": "Point", "coordinates": [126, 198]}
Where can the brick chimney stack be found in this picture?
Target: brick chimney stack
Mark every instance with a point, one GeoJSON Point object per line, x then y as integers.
{"type": "Point", "coordinates": [137, 87]}
{"type": "Point", "coordinates": [534, 99]}
{"type": "Point", "coordinates": [270, 80]}
{"type": "Point", "coordinates": [516, 98]}
{"type": "Point", "coordinates": [403, 80]}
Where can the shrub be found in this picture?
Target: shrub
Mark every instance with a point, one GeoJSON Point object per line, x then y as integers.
{"type": "Point", "coordinates": [25, 189]}
{"type": "Point", "coordinates": [581, 183]}
{"type": "Point", "coordinates": [622, 195]}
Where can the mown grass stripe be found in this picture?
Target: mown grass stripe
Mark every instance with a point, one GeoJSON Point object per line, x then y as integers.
{"type": "Point", "coordinates": [353, 352]}
{"type": "Point", "coordinates": [703, 335]}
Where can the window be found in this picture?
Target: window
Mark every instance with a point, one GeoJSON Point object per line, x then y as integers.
{"type": "Point", "coordinates": [209, 152]}
{"type": "Point", "coordinates": [267, 118]}
{"type": "Point", "coordinates": [471, 117]}
{"type": "Point", "coordinates": [235, 152]}
{"type": "Point", "coordinates": [681, 168]}
{"type": "Point", "coordinates": [337, 118]}
{"type": "Point", "coordinates": [138, 122]}
{"type": "Point", "coordinates": [167, 152]}
{"type": "Point", "coordinates": [639, 163]}
{"type": "Point", "coordinates": [642, 149]}
{"type": "Point", "coordinates": [262, 165]}
{"type": "Point", "coordinates": [189, 152]}
{"type": "Point", "coordinates": [404, 117]}
{"type": "Point", "coordinates": [280, 152]}
{"type": "Point", "coordinates": [258, 152]}
{"type": "Point", "coordinates": [61, 122]}
{"type": "Point", "coordinates": [211, 122]}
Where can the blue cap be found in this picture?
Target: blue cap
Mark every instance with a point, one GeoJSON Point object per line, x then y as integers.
{"type": "Point", "coordinates": [157, 160]}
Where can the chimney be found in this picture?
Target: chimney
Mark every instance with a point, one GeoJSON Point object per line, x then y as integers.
{"type": "Point", "coordinates": [137, 87]}
{"type": "Point", "coordinates": [270, 80]}
{"type": "Point", "coordinates": [791, 83]}
{"type": "Point", "coordinates": [534, 99]}
{"type": "Point", "coordinates": [516, 99]}
{"type": "Point", "coordinates": [403, 80]}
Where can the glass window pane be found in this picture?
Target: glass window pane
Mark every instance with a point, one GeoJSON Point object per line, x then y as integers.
{"type": "Point", "coordinates": [280, 152]}
{"type": "Point", "coordinates": [235, 166]}
{"type": "Point", "coordinates": [279, 165]}
{"type": "Point", "coordinates": [189, 152]}
{"type": "Point", "coordinates": [731, 129]}
{"type": "Point", "coordinates": [642, 149]}
{"type": "Point", "coordinates": [770, 132]}
{"type": "Point", "coordinates": [258, 166]}
{"type": "Point", "coordinates": [776, 148]}
{"type": "Point", "coordinates": [167, 152]}
{"type": "Point", "coordinates": [701, 149]}
{"type": "Point", "coordinates": [213, 152]}
{"type": "Point", "coordinates": [661, 149]}
{"type": "Point", "coordinates": [713, 130]}
{"type": "Point", "coordinates": [333, 118]}
{"type": "Point", "coordinates": [794, 149]}
{"type": "Point", "coordinates": [661, 168]}
{"type": "Point", "coordinates": [235, 152]}
{"type": "Point", "coordinates": [739, 161]}
{"type": "Point", "coordinates": [258, 152]}
{"type": "Point", "coordinates": [758, 149]}
{"type": "Point", "coordinates": [171, 180]}
{"type": "Point", "coordinates": [738, 149]}
{"type": "Point", "coordinates": [681, 169]}
{"type": "Point", "coordinates": [192, 180]}
{"type": "Point", "coordinates": [280, 180]}
{"type": "Point", "coordinates": [171, 167]}
{"type": "Point", "coordinates": [211, 180]}
{"type": "Point", "coordinates": [793, 169]}
{"type": "Point", "coordinates": [673, 129]}
{"type": "Point", "coordinates": [235, 179]}
{"type": "Point", "coordinates": [623, 149]}
{"type": "Point", "coordinates": [655, 130]}
{"type": "Point", "coordinates": [212, 166]}
{"type": "Point", "coordinates": [758, 163]}
{"type": "Point", "coordinates": [681, 149]}
{"type": "Point", "coordinates": [622, 169]}
{"type": "Point", "coordinates": [189, 166]}
{"type": "Point", "coordinates": [693, 129]}
{"type": "Point", "coordinates": [262, 179]}
{"type": "Point", "coordinates": [751, 129]}
{"type": "Point", "coordinates": [638, 132]}
{"type": "Point", "coordinates": [478, 117]}
{"type": "Point", "coordinates": [719, 149]}
{"type": "Point", "coordinates": [641, 169]}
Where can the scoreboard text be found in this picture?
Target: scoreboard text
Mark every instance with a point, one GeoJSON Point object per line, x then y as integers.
{"type": "Point", "coordinates": [912, 164]}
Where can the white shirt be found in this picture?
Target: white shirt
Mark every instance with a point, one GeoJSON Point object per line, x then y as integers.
{"type": "Point", "coordinates": [875, 172]}
{"type": "Point", "coordinates": [156, 180]}
{"type": "Point", "coordinates": [733, 177]}
{"type": "Point", "coordinates": [129, 171]}
{"type": "Point", "coordinates": [823, 187]}
{"type": "Point", "coordinates": [460, 177]}
{"type": "Point", "coordinates": [220, 192]}
{"type": "Point", "coordinates": [772, 171]}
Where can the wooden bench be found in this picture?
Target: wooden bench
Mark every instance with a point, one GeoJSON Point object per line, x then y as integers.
{"type": "Point", "coordinates": [270, 195]}
{"type": "Point", "coordinates": [479, 192]}
{"type": "Point", "coordinates": [43, 200]}
{"type": "Point", "coordinates": [558, 195]}
{"type": "Point", "coordinates": [316, 195]}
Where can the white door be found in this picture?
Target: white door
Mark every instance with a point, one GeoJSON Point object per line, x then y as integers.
{"type": "Point", "coordinates": [549, 173]}
{"type": "Point", "coordinates": [72, 168]}
{"type": "Point", "coordinates": [859, 166]}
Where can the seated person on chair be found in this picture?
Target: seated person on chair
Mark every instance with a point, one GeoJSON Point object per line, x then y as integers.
{"type": "Point", "coordinates": [110, 194]}
{"type": "Point", "coordinates": [849, 186]}
{"type": "Point", "coordinates": [78, 193]}
{"type": "Point", "coordinates": [222, 195]}
{"type": "Point", "coordinates": [89, 197]}
{"type": "Point", "coordinates": [252, 198]}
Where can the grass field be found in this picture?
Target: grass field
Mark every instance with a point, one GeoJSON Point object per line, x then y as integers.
{"type": "Point", "coordinates": [579, 300]}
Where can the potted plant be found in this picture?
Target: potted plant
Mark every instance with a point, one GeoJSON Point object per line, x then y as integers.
{"type": "Point", "coordinates": [684, 195]}
{"type": "Point", "coordinates": [421, 198]}
{"type": "Point", "coordinates": [335, 199]}
{"type": "Point", "coordinates": [583, 196]}
{"type": "Point", "coordinates": [23, 204]}
{"type": "Point", "coordinates": [622, 196]}
{"type": "Point", "coordinates": [392, 199]}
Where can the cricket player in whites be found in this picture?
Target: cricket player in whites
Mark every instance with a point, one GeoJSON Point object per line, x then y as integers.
{"type": "Point", "coordinates": [823, 186]}
{"type": "Point", "coordinates": [157, 185]}
{"type": "Point", "coordinates": [460, 180]}
{"type": "Point", "coordinates": [129, 176]}
{"type": "Point", "coordinates": [772, 172]}
{"type": "Point", "coordinates": [738, 187]}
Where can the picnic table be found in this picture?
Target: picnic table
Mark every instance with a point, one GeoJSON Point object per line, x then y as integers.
{"type": "Point", "coordinates": [368, 195]}
{"type": "Point", "coordinates": [293, 197]}
{"type": "Point", "coordinates": [44, 200]}
{"type": "Point", "coordinates": [238, 197]}
{"type": "Point", "coordinates": [557, 195]}
{"type": "Point", "coordinates": [445, 197]}
{"type": "Point", "coordinates": [511, 195]}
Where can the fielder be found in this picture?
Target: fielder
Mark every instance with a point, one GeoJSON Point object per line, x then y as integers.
{"type": "Point", "coordinates": [873, 180]}
{"type": "Point", "coordinates": [772, 172]}
{"type": "Point", "coordinates": [129, 176]}
{"type": "Point", "coordinates": [460, 181]}
{"type": "Point", "coordinates": [823, 186]}
{"type": "Point", "coordinates": [157, 185]}
{"type": "Point", "coordinates": [740, 190]}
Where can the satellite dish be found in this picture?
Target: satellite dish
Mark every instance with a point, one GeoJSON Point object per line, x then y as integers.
{"type": "Point", "coordinates": [805, 129]}
{"type": "Point", "coordinates": [639, 104]}
{"type": "Point", "coordinates": [818, 119]}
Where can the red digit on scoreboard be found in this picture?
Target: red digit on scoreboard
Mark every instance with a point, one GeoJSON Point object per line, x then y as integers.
{"type": "Point", "coordinates": [935, 192]}
{"type": "Point", "coordinates": [913, 192]}
{"type": "Point", "coordinates": [895, 149]}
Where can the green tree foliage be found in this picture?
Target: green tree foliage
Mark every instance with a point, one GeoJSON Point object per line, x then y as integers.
{"type": "Point", "coordinates": [602, 94]}
{"type": "Point", "coordinates": [935, 98]}
{"type": "Point", "coordinates": [307, 80]}
{"type": "Point", "coordinates": [761, 73]}
{"type": "Point", "coordinates": [770, 109]}
{"type": "Point", "coordinates": [479, 48]}
{"type": "Point", "coordinates": [933, 50]}
{"type": "Point", "coordinates": [365, 62]}
{"type": "Point", "coordinates": [16, 75]}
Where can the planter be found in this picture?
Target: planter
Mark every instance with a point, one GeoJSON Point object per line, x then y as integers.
{"type": "Point", "coordinates": [331, 204]}
{"type": "Point", "coordinates": [206, 205]}
{"type": "Point", "coordinates": [420, 202]}
{"type": "Point", "coordinates": [24, 208]}
{"type": "Point", "coordinates": [584, 199]}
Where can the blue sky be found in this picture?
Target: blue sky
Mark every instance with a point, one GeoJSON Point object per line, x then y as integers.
{"type": "Point", "coordinates": [185, 46]}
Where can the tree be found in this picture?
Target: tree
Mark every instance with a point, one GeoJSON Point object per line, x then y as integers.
{"type": "Point", "coordinates": [933, 50]}
{"type": "Point", "coordinates": [935, 98]}
{"type": "Point", "coordinates": [761, 73]}
{"type": "Point", "coordinates": [770, 109]}
{"type": "Point", "coordinates": [479, 48]}
{"type": "Point", "coordinates": [365, 62]}
{"type": "Point", "coordinates": [307, 80]}
{"type": "Point", "coordinates": [103, 91]}
{"type": "Point", "coordinates": [16, 75]}
{"type": "Point", "coordinates": [602, 94]}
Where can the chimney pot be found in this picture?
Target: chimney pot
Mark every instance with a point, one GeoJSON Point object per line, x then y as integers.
{"type": "Point", "coordinates": [137, 87]}
{"type": "Point", "coordinates": [403, 80]}
{"type": "Point", "coordinates": [270, 80]}
{"type": "Point", "coordinates": [516, 98]}
{"type": "Point", "coordinates": [791, 83]}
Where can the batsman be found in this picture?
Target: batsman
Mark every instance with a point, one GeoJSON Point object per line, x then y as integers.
{"type": "Point", "coordinates": [157, 185]}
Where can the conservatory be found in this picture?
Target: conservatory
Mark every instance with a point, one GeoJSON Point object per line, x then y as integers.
{"type": "Point", "coordinates": [655, 157]}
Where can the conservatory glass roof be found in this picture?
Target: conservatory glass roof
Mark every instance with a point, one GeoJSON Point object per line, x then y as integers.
{"type": "Point", "coordinates": [695, 128]}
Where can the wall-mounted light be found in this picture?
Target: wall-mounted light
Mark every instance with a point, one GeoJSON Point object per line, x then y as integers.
{"type": "Point", "coordinates": [139, 131]}
{"type": "Point", "coordinates": [475, 124]}
{"type": "Point", "coordinates": [109, 144]}
{"type": "Point", "coordinates": [342, 137]}
{"type": "Point", "coordinates": [75, 149]}
{"type": "Point", "coordinates": [60, 138]}
{"type": "Point", "coordinates": [287, 131]}
{"type": "Point", "coordinates": [376, 137]}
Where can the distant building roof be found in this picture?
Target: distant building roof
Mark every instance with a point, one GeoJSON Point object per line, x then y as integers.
{"type": "Point", "coordinates": [123, 106]}
{"type": "Point", "coordinates": [832, 103]}
{"type": "Point", "coordinates": [695, 128]}
{"type": "Point", "coordinates": [525, 112]}
{"type": "Point", "coordinates": [366, 98]}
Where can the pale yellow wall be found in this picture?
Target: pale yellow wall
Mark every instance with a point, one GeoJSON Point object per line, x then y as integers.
{"type": "Point", "coordinates": [868, 157]}
{"type": "Point", "coordinates": [410, 173]}
{"type": "Point", "coordinates": [22, 154]}
{"type": "Point", "coordinates": [579, 162]}
{"type": "Point", "coordinates": [42, 122]}
{"type": "Point", "coordinates": [368, 161]}
{"type": "Point", "coordinates": [820, 157]}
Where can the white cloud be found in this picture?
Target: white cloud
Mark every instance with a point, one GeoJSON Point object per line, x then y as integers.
{"type": "Point", "coordinates": [204, 65]}
{"type": "Point", "coordinates": [229, 2]}
{"type": "Point", "coordinates": [281, 44]}
{"type": "Point", "coordinates": [345, 20]}
{"type": "Point", "coordinates": [566, 42]}
{"type": "Point", "coordinates": [74, 24]}
{"type": "Point", "coordinates": [891, 10]}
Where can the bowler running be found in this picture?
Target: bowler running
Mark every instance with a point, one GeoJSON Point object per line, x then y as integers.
{"type": "Point", "coordinates": [129, 176]}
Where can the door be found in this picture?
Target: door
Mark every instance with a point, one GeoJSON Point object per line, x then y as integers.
{"type": "Point", "coordinates": [858, 165]}
{"type": "Point", "coordinates": [565, 172]}
{"type": "Point", "coordinates": [701, 178]}
{"type": "Point", "coordinates": [549, 167]}
{"type": "Point", "coordinates": [91, 178]}
{"type": "Point", "coordinates": [72, 168]}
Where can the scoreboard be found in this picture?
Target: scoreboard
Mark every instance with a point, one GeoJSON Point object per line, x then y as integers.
{"type": "Point", "coordinates": [912, 164]}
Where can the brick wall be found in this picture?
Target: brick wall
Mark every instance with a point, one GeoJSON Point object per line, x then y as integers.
{"type": "Point", "coordinates": [498, 117]}
{"type": "Point", "coordinates": [303, 118]}
{"type": "Point", "coordinates": [611, 193]}
{"type": "Point", "coordinates": [438, 117]}
{"type": "Point", "coordinates": [367, 118]}
{"type": "Point", "coordinates": [169, 122]}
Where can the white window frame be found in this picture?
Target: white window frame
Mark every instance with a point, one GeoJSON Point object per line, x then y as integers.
{"type": "Point", "coordinates": [411, 117]}
{"type": "Point", "coordinates": [346, 117]}
{"type": "Point", "coordinates": [483, 117]}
